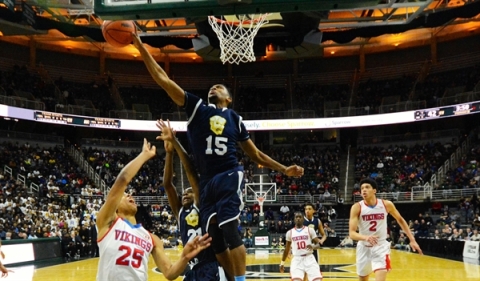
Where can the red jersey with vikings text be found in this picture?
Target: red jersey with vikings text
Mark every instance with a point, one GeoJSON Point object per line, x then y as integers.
{"type": "Point", "coordinates": [373, 220]}
{"type": "Point", "coordinates": [124, 252]}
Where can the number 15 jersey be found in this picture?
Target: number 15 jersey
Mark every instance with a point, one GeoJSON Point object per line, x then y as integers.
{"type": "Point", "coordinates": [124, 252]}
{"type": "Point", "coordinates": [213, 134]}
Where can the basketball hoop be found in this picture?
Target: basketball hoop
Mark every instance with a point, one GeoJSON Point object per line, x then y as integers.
{"type": "Point", "coordinates": [260, 200]}
{"type": "Point", "coordinates": [236, 37]}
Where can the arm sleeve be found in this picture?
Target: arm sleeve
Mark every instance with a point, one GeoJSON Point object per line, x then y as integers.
{"type": "Point", "coordinates": [192, 102]}
{"type": "Point", "coordinates": [288, 236]}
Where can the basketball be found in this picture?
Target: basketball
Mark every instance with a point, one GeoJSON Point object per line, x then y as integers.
{"type": "Point", "coordinates": [118, 33]}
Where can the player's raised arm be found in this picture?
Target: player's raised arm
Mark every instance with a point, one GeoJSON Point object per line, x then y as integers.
{"type": "Point", "coordinates": [170, 189]}
{"type": "Point", "coordinates": [392, 210]}
{"type": "Point", "coordinates": [172, 270]}
{"type": "Point", "coordinates": [168, 135]}
{"type": "Point", "coordinates": [261, 158]}
{"type": "Point", "coordinates": [108, 211]}
{"type": "Point", "coordinates": [176, 93]}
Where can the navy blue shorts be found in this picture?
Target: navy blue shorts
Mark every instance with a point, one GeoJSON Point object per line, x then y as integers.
{"type": "Point", "coordinates": [222, 196]}
{"type": "Point", "coordinates": [204, 272]}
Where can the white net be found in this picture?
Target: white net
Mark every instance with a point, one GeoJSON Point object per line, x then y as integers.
{"type": "Point", "coordinates": [236, 38]}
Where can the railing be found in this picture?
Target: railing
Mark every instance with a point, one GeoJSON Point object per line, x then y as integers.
{"type": "Point", "coordinates": [162, 200]}
{"type": "Point", "coordinates": [453, 160]}
{"type": "Point", "coordinates": [79, 158]}
{"type": "Point", "coordinates": [22, 102]}
{"type": "Point", "coordinates": [34, 187]}
{"type": "Point", "coordinates": [460, 98]}
{"type": "Point", "coordinates": [291, 114]}
{"type": "Point", "coordinates": [77, 110]}
{"type": "Point", "coordinates": [421, 195]}
{"type": "Point", "coordinates": [130, 114]}
{"type": "Point", "coordinates": [30, 136]}
{"type": "Point", "coordinates": [7, 170]}
{"type": "Point", "coordinates": [453, 133]}
{"type": "Point", "coordinates": [100, 142]}
{"type": "Point", "coordinates": [22, 179]}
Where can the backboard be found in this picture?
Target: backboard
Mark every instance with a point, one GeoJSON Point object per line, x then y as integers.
{"type": "Point", "coordinates": [157, 9]}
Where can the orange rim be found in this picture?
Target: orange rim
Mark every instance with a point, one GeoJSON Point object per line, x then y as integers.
{"type": "Point", "coordinates": [236, 23]}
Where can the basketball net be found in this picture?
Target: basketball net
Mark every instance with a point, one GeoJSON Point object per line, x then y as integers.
{"type": "Point", "coordinates": [236, 38]}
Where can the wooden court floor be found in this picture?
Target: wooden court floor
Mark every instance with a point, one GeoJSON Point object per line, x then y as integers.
{"type": "Point", "coordinates": [336, 264]}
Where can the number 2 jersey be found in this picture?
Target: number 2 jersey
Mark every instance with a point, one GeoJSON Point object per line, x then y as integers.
{"type": "Point", "coordinates": [124, 252]}
{"type": "Point", "coordinates": [213, 134]}
{"type": "Point", "coordinates": [189, 227]}
{"type": "Point", "coordinates": [372, 220]}
{"type": "Point", "coordinates": [300, 238]}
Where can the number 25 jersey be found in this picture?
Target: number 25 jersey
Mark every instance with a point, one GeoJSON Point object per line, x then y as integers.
{"type": "Point", "coordinates": [124, 252]}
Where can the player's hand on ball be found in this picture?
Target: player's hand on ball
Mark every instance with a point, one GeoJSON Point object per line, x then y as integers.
{"type": "Point", "coordinates": [294, 171]}
{"type": "Point", "coordinates": [198, 244]}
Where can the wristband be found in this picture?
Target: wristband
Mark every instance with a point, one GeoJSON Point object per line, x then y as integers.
{"type": "Point", "coordinates": [282, 263]}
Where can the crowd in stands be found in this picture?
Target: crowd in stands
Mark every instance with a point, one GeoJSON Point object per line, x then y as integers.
{"type": "Point", "coordinates": [435, 85]}
{"type": "Point", "coordinates": [397, 168]}
{"type": "Point", "coordinates": [370, 94]}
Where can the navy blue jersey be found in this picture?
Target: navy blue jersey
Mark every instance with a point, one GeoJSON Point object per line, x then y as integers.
{"type": "Point", "coordinates": [213, 134]}
{"type": "Point", "coordinates": [312, 224]}
{"type": "Point", "coordinates": [189, 226]}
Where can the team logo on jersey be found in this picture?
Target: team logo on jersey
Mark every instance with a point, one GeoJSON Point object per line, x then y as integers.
{"type": "Point", "coordinates": [217, 124]}
{"type": "Point", "coordinates": [271, 271]}
{"type": "Point", "coordinates": [192, 218]}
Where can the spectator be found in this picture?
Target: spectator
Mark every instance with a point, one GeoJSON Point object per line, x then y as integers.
{"type": "Point", "coordinates": [347, 242]}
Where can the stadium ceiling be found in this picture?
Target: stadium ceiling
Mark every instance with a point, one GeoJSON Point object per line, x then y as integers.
{"type": "Point", "coordinates": [341, 28]}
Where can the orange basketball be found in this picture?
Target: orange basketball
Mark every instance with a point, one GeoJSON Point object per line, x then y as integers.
{"type": "Point", "coordinates": [118, 33]}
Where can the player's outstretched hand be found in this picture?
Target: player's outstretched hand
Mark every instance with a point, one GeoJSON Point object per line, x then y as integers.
{"type": "Point", "coordinates": [194, 247]}
{"type": "Point", "coordinates": [166, 131]}
{"type": "Point", "coordinates": [415, 247]}
{"type": "Point", "coordinates": [148, 149]}
{"type": "Point", "coordinates": [282, 268]}
{"type": "Point", "coordinates": [137, 42]}
{"type": "Point", "coordinates": [4, 271]}
{"type": "Point", "coordinates": [294, 171]}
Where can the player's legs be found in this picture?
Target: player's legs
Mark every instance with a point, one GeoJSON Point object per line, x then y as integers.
{"type": "Point", "coordinates": [220, 248]}
{"type": "Point", "coordinates": [238, 253]}
{"type": "Point", "coordinates": [312, 268]}
{"type": "Point", "coordinates": [228, 205]}
{"type": "Point", "coordinates": [296, 269]}
{"type": "Point", "coordinates": [381, 261]}
{"type": "Point", "coordinates": [315, 255]}
{"type": "Point", "coordinates": [364, 263]}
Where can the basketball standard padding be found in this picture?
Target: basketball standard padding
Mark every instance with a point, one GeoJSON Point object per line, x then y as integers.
{"type": "Point", "coordinates": [118, 33]}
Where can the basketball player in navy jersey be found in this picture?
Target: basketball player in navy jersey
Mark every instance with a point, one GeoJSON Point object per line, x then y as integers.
{"type": "Point", "coordinates": [214, 131]}
{"type": "Point", "coordinates": [125, 246]}
{"type": "Point", "coordinates": [205, 265]}
{"type": "Point", "coordinates": [315, 224]}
